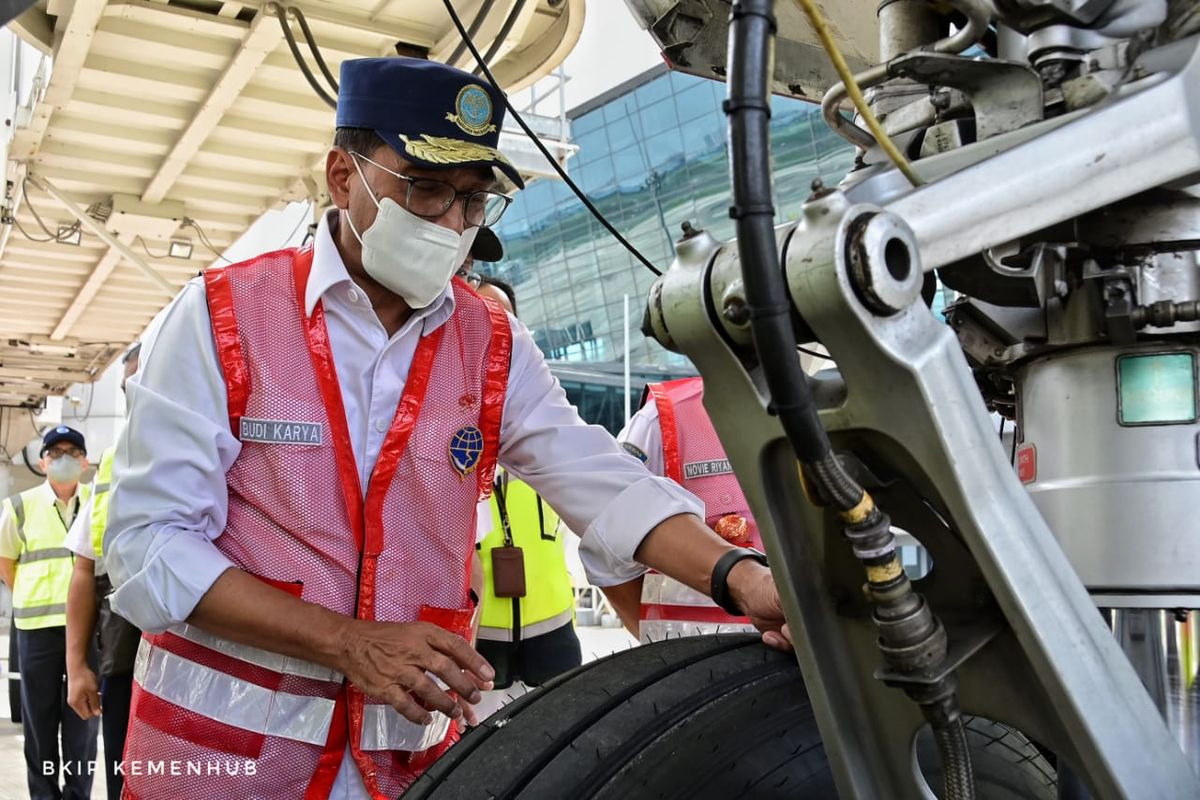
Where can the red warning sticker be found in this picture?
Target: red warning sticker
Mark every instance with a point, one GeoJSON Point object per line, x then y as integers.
{"type": "Point", "coordinates": [1027, 463]}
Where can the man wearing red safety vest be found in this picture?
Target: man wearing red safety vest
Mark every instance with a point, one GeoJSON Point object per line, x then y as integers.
{"type": "Point", "coordinates": [673, 435]}
{"type": "Point", "coordinates": [293, 518]}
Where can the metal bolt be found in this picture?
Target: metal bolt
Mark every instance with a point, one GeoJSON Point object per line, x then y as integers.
{"type": "Point", "coordinates": [819, 190]}
{"type": "Point", "coordinates": [736, 312]}
{"type": "Point", "coordinates": [999, 351]}
{"type": "Point", "coordinates": [688, 230]}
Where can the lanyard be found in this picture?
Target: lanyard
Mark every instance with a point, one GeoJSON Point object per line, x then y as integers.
{"type": "Point", "coordinates": [74, 513]}
{"type": "Point", "coordinates": [499, 488]}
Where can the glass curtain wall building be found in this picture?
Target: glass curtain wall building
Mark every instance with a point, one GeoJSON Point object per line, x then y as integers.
{"type": "Point", "coordinates": [652, 154]}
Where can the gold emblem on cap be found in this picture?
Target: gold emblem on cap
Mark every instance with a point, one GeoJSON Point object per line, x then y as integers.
{"type": "Point", "coordinates": [473, 108]}
{"type": "Point", "coordinates": [443, 150]}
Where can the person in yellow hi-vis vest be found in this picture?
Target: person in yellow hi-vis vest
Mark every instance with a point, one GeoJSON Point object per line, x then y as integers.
{"type": "Point", "coordinates": [92, 624]}
{"type": "Point", "coordinates": [37, 566]}
{"type": "Point", "coordinates": [527, 606]}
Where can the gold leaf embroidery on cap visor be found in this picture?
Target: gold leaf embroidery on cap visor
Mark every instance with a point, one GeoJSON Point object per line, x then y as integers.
{"type": "Point", "coordinates": [443, 150]}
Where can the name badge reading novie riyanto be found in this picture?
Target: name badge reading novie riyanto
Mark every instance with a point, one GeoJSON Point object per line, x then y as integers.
{"type": "Point", "coordinates": [702, 469]}
{"type": "Point", "coordinates": [281, 431]}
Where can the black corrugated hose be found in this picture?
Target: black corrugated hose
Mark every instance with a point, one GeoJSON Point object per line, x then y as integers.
{"type": "Point", "coordinates": [748, 107]}
{"type": "Point", "coordinates": [904, 620]}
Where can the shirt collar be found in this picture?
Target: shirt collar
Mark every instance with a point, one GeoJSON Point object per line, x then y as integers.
{"type": "Point", "coordinates": [328, 270]}
{"type": "Point", "coordinates": [53, 496]}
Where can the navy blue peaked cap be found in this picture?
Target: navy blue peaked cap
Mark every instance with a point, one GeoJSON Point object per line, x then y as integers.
{"type": "Point", "coordinates": [431, 114]}
{"type": "Point", "coordinates": [62, 433]}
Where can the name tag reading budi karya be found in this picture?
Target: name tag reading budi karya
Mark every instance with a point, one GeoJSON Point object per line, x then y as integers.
{"type": "Point", "coordinates": [281, 431]}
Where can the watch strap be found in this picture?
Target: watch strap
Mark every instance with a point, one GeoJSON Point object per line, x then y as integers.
{"type": "Point", "coordinates": [720, 577]}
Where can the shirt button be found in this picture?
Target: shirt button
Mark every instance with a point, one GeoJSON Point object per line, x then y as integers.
{"type": "Point", "coordinates": [353, 295]}
{"type": "Point", "coordinates": [381, 425]}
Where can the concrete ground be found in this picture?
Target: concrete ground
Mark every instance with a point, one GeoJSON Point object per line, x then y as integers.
{"type": "Point", "coordinates": [13, 785]}
{"type": "Point", "coordinates": [597, 642]}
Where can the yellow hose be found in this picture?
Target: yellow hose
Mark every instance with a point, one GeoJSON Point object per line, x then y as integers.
{"type": "Point", "coordinates": [856, 95]}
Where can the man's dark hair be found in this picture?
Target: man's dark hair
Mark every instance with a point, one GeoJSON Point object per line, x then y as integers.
{"type": "Point", "coordinates": [131, 352]}
{"type": "Point", "coordinates": [504, 287]}
{"type": "Point", "coordinates": [363, 141]}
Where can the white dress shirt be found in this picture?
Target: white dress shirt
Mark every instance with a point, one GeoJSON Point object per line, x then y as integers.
{"type": "Point", "coordinates": [170, 498]}
{"type": "Point", "coordinates": [644, 432]}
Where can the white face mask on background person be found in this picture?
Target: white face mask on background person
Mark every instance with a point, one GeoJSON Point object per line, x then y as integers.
{"type": "Point", "coordinates": [408, 255]}
{"type": "Point", "coordinates": [65, 469]}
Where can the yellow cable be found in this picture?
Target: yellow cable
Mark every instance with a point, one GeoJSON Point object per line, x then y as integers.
{"type": "Point", "coordinates": [856, 95]}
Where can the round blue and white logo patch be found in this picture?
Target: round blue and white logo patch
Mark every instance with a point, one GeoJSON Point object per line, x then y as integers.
{"type": "Point", "coordinates": [473, 110]}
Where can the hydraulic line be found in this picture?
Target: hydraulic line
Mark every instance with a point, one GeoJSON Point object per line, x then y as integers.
{"type": "Point", "coordinates": [481, 60]}
{"type": "Point", "coordinates": [911, 638]}
{"type": "Point", "coordinates": [485, 8]}
{"type": "Point", "coordinates": [281, 12]}
{"type": "Point", "coordinates": [749, 115]}
{"type": "Point", "coordinates": [1164, 313]}
{"type": "Point", "coordinates": [502, 34]}
{"type": "Point", "coordinates": [951, 743]}
{"type": "Point", "coordinates": [312, 46]}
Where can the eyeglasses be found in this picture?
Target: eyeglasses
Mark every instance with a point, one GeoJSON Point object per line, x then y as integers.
{"type": "Point", "coordinates": [431, 199]}
{"type": "Point", "coordinates": [59, 452]}
{"type": "Point", "coordinates": [473, 279]}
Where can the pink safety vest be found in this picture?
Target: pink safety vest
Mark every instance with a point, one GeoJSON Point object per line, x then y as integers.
{"type": "Point", "coordinates": [214, 718]}
{"type": "Point", "coordinates": [694, 458]}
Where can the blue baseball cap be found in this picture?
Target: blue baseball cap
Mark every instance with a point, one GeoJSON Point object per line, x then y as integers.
{"type": "Point", "coordinates": [433, 115]}
{"type": "Point", "coordinates": [62, 433]}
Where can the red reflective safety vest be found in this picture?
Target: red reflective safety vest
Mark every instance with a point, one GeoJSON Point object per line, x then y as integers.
{"type": "Point", "coordinates": [694, 458]}
{"type": "Point", "coordinates": [213, 718]}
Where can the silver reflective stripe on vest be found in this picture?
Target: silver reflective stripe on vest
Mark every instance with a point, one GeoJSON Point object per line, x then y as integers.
{"type": "Point", "coordinates": [44, 555]}
{"type": "Point", "coordinates": [658, 588]}
{"type": "Point", "coordinates": [100, 488]}
{"type": "Point", "coordinates": [18, 504]}
{"type": "Point", "coordinates": [256, 656]}
{"type": "Point", "coordinates": [231, 701]}
{"type": "Point", "coordinates": [385, 728]}
{"type": "Point", "coordinates": [527, 631]}
{"type": "Point", "coordinates": [39, 611]}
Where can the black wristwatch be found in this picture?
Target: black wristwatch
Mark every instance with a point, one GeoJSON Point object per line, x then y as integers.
{"type": "Point", "coordinates": [720, 577]}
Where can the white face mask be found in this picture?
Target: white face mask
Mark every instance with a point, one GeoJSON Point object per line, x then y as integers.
{"type": "Point", "coordinates": [64, 469]}
{"type": "Point", "coordinates": [408, 255]}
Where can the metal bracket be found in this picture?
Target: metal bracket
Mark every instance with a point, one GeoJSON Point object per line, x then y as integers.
{"type": "Point", "coordinates": [965, 638]}
{"type": "Point", "coordinates": [1004, 94]}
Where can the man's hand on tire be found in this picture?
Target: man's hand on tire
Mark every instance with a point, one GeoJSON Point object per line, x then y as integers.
{"type": "Point", "coordinates": [753, 589]}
